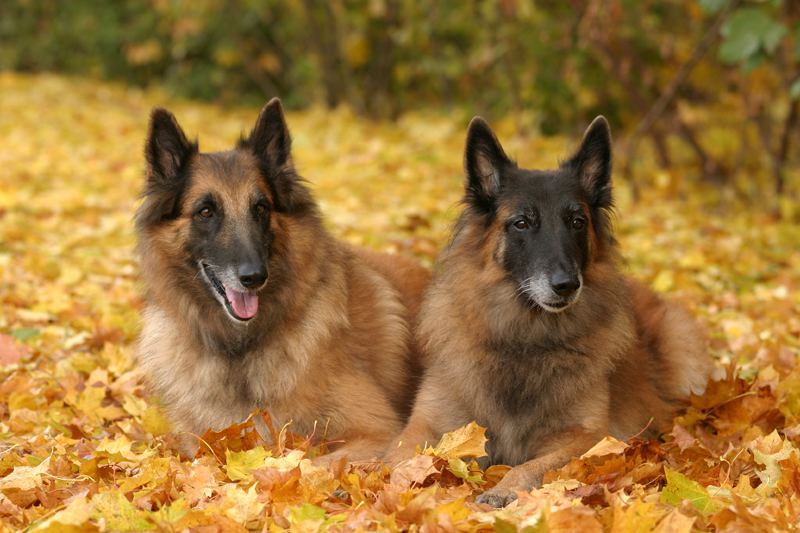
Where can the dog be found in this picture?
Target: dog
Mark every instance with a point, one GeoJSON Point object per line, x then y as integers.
{"type": "Point", "coordinates": [532, 331]}
{"type": "Point", "coordinates": [252, 304]}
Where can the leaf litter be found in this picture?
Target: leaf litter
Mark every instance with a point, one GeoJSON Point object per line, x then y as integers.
{"type": "Point", "coordinates": [83, 447]}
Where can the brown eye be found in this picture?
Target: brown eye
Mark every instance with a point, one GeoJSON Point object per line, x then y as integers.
{"type": "Point", "coordinates": [206, 212]}
{"type": "Point", "coordinates": [521, 224]}
{"type": "Point", "coordinates": [261, 210]}
{"type": "Point", "coordinates": [578, 223]}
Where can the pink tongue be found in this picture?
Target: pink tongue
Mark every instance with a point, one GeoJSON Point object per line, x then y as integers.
{"type": "Point", "coordinates": [245, 304]}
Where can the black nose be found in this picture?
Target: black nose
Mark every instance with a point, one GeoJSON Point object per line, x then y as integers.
{"type": "Point", "coordinates": [252, 275]}
{"type": "Point", "coordinates": [564, 284]}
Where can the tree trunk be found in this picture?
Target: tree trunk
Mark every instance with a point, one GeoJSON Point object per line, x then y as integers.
{"type": "Point", "coordinates": [504, 35]}
{"type": "Point", "coordinates": [782, 156]}
{"type": "Point", "coordinates": [379, 83]}
{"type": "Point", "coordinates": [324, 36]}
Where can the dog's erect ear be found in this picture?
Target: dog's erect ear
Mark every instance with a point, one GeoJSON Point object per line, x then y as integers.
{"type": "Point", "coordinates": [484, 163]}
{"type": "Point", "coordinates": [168, 152]}
{"type": "Point", "coordinates": [271, 142]}
{"type": "Point", "coordinates": [591, 163]}
{"type": "Point", "coordinates": [167, 149]}
{"type": "Point", "coordinates": [270, 139]}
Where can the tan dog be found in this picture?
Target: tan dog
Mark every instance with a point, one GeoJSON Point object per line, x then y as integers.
{"type": "Point", "coordinates": [533, 332]}
{"type": "Point", "coordinates": [252, 304]}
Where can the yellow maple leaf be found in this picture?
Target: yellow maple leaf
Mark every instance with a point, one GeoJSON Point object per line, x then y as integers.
{"type": "Point", "coordinates": [72, 518]}
{"type": "Point", "coordinates": [120, 448]}
{"type": "Point", "coordinates": [606, 446]}
{"type": "Point", "coordinates": [240, 465]}
{"type": "Point", "coordinates": [467, 441]}
{"type": "Point", "coordinates": [25, 477]}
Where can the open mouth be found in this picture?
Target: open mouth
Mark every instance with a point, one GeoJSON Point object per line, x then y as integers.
{"type": "Point", "coordinates": [240, 305]}
{"type": "Point", "coordinates": [555, 307]}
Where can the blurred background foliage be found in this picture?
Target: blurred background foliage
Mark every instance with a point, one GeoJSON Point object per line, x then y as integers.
{"type": "Point", "coordinates": [709, 89]}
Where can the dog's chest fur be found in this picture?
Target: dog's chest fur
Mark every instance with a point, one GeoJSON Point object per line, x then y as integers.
{"type": "Point", "coordinates": [535, 380]}
{"type": "Point", "coordinates": [207, 390]}
{"type": "Point", "coordinates": [530, 390]}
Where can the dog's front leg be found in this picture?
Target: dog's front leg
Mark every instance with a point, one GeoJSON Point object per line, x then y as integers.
{"type": "Point", "coordinates": [358, 449]}
{"type": "Point", "coordinates": [418, 432]}
{"type": "Point", "coordinates": [436, 411]}
{"type": "Point", "coordinates": [528, 475]}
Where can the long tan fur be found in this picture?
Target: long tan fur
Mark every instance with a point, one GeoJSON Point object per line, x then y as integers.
{"type": "Point", "coordinates": [547, 386]}
{"type": "Point", "coordinates": [331, 351]}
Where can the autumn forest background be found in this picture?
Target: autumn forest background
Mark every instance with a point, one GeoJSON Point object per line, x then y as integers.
{"type": "Point", "coordinates": [703, 100]}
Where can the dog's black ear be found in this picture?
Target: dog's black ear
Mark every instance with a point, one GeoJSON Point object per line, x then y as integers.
{"type": "Point", "coordinates": [591, 163]}
{"type": "Point", "coordinates": [167, 151]}
{"type": "Point", "coordinates": [270, 137]}
{"type": "Point", "coordinates": [271, 142]}
{"type": "Point", "coordinates": [484, 163]}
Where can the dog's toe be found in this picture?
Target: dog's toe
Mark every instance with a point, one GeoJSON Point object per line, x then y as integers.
{"type": "Point", "coordinates": [497, 497]}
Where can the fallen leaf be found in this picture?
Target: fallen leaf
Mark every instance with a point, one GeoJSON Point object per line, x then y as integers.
{"type": "Point", "coordinates": [25, 477]}
{"type": "Point", "coordinates": [606, 446]}
{"type": "Point", "coordinates": [675, 522]}
{"type": "Point", "coordinates": [413, 471]}
{"type": "Point", "coordinates": [10, 351]}
{"type": "Point", "coordinates": [468, 441]}
{"type": "Point", "coordinates": [240, 465]}
{"type": "Point", "coordinates": [680, 488]}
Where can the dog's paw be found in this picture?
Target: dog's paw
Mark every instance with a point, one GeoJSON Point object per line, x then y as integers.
{"type": "Point", "coordinates": [341, 494]}
{"type": "Point", "coordinates": [497, 497]}
{"type": "Point", "coordinates": [398, 456]}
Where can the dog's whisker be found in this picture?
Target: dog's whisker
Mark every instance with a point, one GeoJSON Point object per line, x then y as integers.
{"type": "Point", "coordinates": [524, 287]}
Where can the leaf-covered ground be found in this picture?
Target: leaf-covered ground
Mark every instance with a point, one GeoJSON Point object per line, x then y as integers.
{"type": "Point", "coordinates": [83, 447]}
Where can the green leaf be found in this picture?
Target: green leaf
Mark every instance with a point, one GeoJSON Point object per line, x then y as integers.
{"type": "Point", "coordinates": [797, 41]}
{"type": "Point", "coordinates": [794, 90]}
{"type": "Point", "coordinates": [712, 6]}
{"type": "Point", "coordinates": [23, 334]}
{"type": "Point", "coordinates": [738, 48]}
{"type": "Point", "coordinates": [308, 511]}
{"type": "Point", "coordinates": [311, 517]}
{"type": "Point", "coordinates": [239, 465]}
{"type": "Point", "coordinates": [772, 36]}
{"type": "Point", "coordinates": [680, 488]}
{"type": "Point", "coordinates": [118, 513]}
{"type": "Point", "coordinates": [748, 31]}
{"type": "Point", "coordinates": [460, 469]}
{"type": "Point", "coordinates": [753, 62]}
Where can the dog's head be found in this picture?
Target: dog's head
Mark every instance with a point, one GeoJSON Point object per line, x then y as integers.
{"type": "Point", "coordinates": [553, 223]}
{"type": "Point", "coordinates": [211, 219]}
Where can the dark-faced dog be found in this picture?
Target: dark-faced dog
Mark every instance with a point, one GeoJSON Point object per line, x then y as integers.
{"type": "Point", "coordinates": [531, 329]}
{"type": "Point", "coordinates": [251, 304]}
